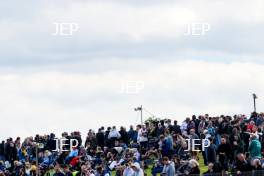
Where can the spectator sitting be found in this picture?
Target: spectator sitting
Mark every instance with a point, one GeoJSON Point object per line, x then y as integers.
{"type": "Point", "coordinates": [137, 170]}
{"type": "Point", "coordinates": [168, 168]}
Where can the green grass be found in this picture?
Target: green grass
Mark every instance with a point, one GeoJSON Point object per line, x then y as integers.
{"type": "Point", "coordinates": [202, 167]}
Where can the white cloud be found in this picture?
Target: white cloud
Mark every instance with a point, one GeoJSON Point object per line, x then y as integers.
{"type": "Point", "coordinates": [46, 101]}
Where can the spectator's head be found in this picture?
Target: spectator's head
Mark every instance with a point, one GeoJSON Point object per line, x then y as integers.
{"type": "Point", "coordinates": [65, 168]}
{"type": "Point", "coordinates": [205, 131]}
{"type": "Point", "coordinates": [100, 170]}
{"type": "Point", "coordinates": [192, 131]}
{"type": "Point", "coordinates": [193, 163]}
{"type": "Point", "coordinates": [256, 163]}
{"type": "Point", "coordinates": [175, 122]}
{"type": "Point", "coordinates": [27, 165]}
{"type": "Point", "coordinates": [162, 137]}
{"type": "Point", "coordinates": [252, 122]}
{"type": "Point", "coordinates": [83, 168]}
{"type": "Point", "coordinates": [210, 167]}
{"type": "Point", "coordinates": [241, 157]}
{"type": "Point", "coordinates": [223, 140]}
{"type": "Point", "coordinates": [116, 143]}
{"type": "Point", "coordinates": [165, 160]}
{"type": "Point", "coordinates": [135, 166]}
{"type": "Point", "coordinates": [52, 135]}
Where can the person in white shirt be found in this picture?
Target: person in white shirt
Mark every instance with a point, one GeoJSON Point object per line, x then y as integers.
{"type": "Point", "coordinates": [142, 136]}
{"type": "Point", "coordinates": [137, 170]}
{"type": "Point", "coordinates": [128, 171]}
{"type": "Point", "coordinates": [113, 136]}
{"type": "Point", "coordinates": [183, 127]}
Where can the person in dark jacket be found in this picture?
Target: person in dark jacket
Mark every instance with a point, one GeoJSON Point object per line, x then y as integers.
{"type": "Point", "coordinates": [242, 165]}
{"type": "Point", "coordinates": [11, 152]}
{"type": "Point", "coordinates": [90, 140]}
{"type": "Point", "coordinates": [210, 171]}
{"type": "Point", "coordinates": [176, 127]}
{"type": "Point", "coordinates": [58, 171]}
{"type": "Point", "coordinates": [100, 138]}
{"type": "Point", "coordinates": [211, 152]}
{"type": "Point", "coordinates": [131, 134]}
{"type": "Point", "coordinates": [51, 143]}
{"type": "Point", "coordinates": [124, 135]}
{"type": "Point", "coordinates": [2, 150]}
{"type": "Point", "coordinates": [223, 152]}
{"type": "Point", "coordinates": [107, 141]}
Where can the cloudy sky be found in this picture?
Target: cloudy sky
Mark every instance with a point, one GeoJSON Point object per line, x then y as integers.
{"type": "Point", "coordinates": [55, 82]}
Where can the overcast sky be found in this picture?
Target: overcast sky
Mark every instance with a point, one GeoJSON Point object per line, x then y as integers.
{"type": "Point", "coordinates": [55, 83]}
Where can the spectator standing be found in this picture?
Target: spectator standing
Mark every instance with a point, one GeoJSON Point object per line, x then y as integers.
{"type": "Point", "coordinates": [113, 136]}
{"type": "Point", "coordinates": [254, 148]}
{"type": "Point", "coordinates": [223, 152]}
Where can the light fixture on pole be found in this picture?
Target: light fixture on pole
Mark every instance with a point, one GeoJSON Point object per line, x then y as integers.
{"type": "Point", "coordinates": [141, 113]}
{"type": "Point", "coordinates": [254, 99]}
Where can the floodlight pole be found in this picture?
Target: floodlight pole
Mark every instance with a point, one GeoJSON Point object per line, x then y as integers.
{"type": "Point", "coordinates": [254, 99]}
{"type": "Point", "coordinates": [141, 113]}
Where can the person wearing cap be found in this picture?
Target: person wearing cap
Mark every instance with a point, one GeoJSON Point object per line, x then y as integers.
{"type": "Point", "coordinates": [168, 168]}
{"type": "Point", "coordinates": [137, 170]}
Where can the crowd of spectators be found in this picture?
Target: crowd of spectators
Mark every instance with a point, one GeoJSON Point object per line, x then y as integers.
{"type": "Point", "coordinates": [234, 145]}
